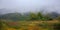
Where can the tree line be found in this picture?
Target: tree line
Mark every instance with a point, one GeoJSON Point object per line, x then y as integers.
{"type": "Point", "coordinates": [31, 16]}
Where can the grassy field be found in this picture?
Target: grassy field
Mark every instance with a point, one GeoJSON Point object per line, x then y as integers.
{"type": "Point", "coordinates": [28, 25]}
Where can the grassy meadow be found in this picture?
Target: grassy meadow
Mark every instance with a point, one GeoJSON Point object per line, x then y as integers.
{"type": "Point", "coordinates": [28, 25]}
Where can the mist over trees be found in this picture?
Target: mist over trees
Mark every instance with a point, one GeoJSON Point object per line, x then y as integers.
{"type": "Point", "coordinates": [31, 16]}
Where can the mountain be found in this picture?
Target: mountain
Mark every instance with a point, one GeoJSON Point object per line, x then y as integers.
{"type": "Point", "coordinates": [14, 16]}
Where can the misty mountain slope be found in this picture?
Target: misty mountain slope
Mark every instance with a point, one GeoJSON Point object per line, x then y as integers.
{"type": "Point", "coordinates": [26, 16]}
{"type": "Point", "coordinates": [13, 16]}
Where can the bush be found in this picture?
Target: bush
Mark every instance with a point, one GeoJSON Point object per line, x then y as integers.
{"type": "Point", "coordinates": [56, 26]}
{"type": "Point", "coordinates": [43, 25]}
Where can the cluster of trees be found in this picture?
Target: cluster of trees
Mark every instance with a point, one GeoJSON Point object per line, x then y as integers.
{"type": "Point", "coordinates": [31, 16]}
{"type": "Point", "coordinates": [47, 16]}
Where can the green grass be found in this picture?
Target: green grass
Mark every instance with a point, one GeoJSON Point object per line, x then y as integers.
{"type": "Point", "coordinates": [25, 25]}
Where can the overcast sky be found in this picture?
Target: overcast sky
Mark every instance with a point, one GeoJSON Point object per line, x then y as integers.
{"type": "Point", "coordinates": [7, 6]}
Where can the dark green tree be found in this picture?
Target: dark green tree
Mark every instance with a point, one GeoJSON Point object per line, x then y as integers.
{"type": "Point", "coordinates": [33, 16]}
{"type": "Point", "coordinates": [40, 16]}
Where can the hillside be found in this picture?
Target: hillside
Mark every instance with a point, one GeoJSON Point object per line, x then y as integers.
{"type": "Point", "coordinates": [29, 16]}
{"type": "Point", "coordinates": [13, 16]}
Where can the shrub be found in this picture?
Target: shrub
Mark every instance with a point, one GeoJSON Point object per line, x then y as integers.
{"type": "Point", "coordinates": [56, 26]}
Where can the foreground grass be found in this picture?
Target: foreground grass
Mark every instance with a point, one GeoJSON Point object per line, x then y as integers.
{"type": "Point", "coordinates": [29, 25]}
